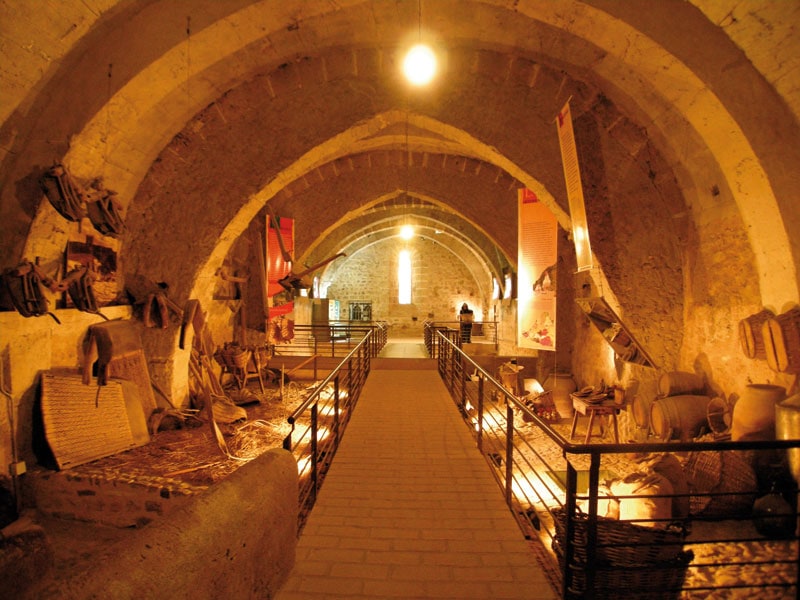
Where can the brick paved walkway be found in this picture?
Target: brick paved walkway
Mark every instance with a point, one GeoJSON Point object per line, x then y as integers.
{"type": "Point", "coordinates": [409, 508]}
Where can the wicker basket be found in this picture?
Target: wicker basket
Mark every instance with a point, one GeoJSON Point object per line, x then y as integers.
{"type": "Point", "coordinates": [543, 406]}
{"type": "Point", "coordinates": [622, 542]}
{"type": "Point", "coordinates": [262, 355]}
{"type": "Point", "coordinates": [233, 357]}
{"type": "Point", "coordinates": [654, 581]}
{"type": "Point", "coordinates": [751, 334]}
{"type": "Point", "coordinates": [723, 484]}
{"type": "Point", "coordinates": [781, 336]}
{"type": "Point", "coordinates": [631, 562]}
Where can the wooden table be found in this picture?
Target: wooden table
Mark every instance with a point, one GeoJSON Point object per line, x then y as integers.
{"type": "Point", "coordinates": [599, 409]}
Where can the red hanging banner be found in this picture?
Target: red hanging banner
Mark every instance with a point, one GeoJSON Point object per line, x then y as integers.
{"type": "Point", "coordinates": [277, 265]}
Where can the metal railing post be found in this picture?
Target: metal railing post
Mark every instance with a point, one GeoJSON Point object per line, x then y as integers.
{"type": "Point", "coordinates": [287, 441]}
{"type": "Point", "coordinates": [314, 479]}
{"type": "Point", "coordinates": [591, 525]}
{"type": "Point", "coordinates": [320, 454]}
{"type": "Point", "coordinates": [509, 451]}
{"type": "Point", "coordinates": [463, 399]}
{"type": "Point", "coordinates": [350, 375]}
{"type": "Point", "coordinates": [590, 551]}
{"type": "Point", "coordinates": [336, 409]}
{"type": "Point", "coordinates": [569, 529]}
{"type": "Point", "coordinates": [452, 361]}
{"type": "Point", "coordinates": [480, 413]}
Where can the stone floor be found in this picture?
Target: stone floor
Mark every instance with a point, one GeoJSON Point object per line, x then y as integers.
{"type": "Point", "coordinates": [409, 508]}
{"type": "Point", "coordinates": [404, 348]}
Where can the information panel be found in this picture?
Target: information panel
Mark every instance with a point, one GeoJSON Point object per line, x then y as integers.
{"type": "Point", "coordinates": [536, 274]}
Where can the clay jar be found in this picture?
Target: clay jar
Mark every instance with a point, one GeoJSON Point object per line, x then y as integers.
{"type": "Point", "coordinates": [562, 385]}
{"type": "Point", "coordinates": [754, 413]}
{"type": "Point", "coordinates": [787, 427]}
{"type": "Point", "coordinates": [773, 516]}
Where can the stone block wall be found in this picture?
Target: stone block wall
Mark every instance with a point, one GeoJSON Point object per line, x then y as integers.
{"type": "Point", "coordinates": [441, 282]}
{"type": "Point", "coordinates": [27, 347]}
{"type": "Point", "coordinates": [103, 497]}
{"type": "Point", "coordinates": [237, 540]}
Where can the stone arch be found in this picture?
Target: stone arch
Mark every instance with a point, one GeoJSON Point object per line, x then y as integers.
{"type": "Point", "coordinates": [374, 187]}
{"type": "Point", "coordinates": [648, 92]}
{"type": "Point", "coordinates": [327, 150]}
{"type": "Point", "coordinates": [213, 172]}
{"type": "Point", "coordinates": [349, 232]}
{"type": "Point", "coordinates": [464, 249]}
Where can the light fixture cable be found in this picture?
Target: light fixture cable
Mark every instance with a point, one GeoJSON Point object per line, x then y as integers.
{"type": "Point", "coordinates": [419, 20]}
{"type": "Point", "coordinates": [407, 159]}
{"type": "Point", "coordinates": [108, 120]}
{"type": "Point", "coordinates": [188, 59]}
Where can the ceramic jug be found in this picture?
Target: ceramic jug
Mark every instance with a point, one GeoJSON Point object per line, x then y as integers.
{"type": "Point", "coordinates": [562, 385]}
{"type": "Point", "coordinates": [754, 413]}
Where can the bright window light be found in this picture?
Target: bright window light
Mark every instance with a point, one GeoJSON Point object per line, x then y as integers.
{"type": "Point", "coordinates": [404, 277]}
{"type": "Point", "coordinates": [406, 232]}
{"type": "Point", "coordinates": [507, 288]}
{"type": "Point", "coordinates": [419, 65]}
{"type": "Point", "coordinates": [495, 289]}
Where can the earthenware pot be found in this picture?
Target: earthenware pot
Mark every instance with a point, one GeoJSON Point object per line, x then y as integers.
{"type": "Point", "coordinates": [754, 413]}
{"type": "Point", "coordinates": [562, 385]}
{"type": "Point", "coordinates": [787, 427]}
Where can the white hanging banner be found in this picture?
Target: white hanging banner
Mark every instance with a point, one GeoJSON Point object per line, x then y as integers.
{"type": "Point", "coordinates": [536, 273]}
{"type": "Point", "coordinates": [572, 175]}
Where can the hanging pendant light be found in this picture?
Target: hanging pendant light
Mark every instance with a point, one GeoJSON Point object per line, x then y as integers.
{"type": "Point", "coordinates": [419, 65]}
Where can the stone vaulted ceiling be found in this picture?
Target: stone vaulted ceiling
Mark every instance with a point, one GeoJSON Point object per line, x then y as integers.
{"type": "Point", "coordinates": [199, 112]}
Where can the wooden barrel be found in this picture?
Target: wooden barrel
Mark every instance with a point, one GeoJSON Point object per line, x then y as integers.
{"type": "Point", "coordinates": [640, 410]}
{"type": "Point", "coordinates": [681, 417]}
{"type": "Point", "coordinates": [751, 338]}
{"type": "Point", "coordinates": [680, 383]}
{"type": "Point", "coordinates": [782, 341]}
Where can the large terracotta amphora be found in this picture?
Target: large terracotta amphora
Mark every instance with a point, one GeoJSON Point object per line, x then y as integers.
{"type": "Point", "coordinates": [562, 385]}
{"type": "Point", "coordinates": [754, 413]}
{"type": "Point", "coordinates": [787, 427]}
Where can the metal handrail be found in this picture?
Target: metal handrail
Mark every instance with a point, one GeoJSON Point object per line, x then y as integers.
{"type": "Point", "coordinates": [336, 338]}
{"type": "Point", "coordinates": [452, 330]}
{"type": "Point", "coordinates": [324, 416]}
{"type": "Point", "coordinates": [537, 500]}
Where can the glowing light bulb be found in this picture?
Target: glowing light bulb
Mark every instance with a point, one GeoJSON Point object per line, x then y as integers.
{"type": "Point", "coordinates": [419, 65]}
